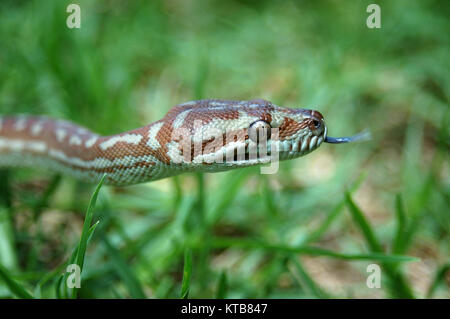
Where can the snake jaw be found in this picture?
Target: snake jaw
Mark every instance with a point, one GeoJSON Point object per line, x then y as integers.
{"type": "Point", "coordinates": [299, 147]}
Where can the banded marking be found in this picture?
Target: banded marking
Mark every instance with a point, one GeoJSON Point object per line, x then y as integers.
{"type": "Point", "coordinates": [20, 123]}
{"type": "Point", "coordinates": [190, 103]}
{"type": "Point", "coordinates": [179, 119]}
{"type": "Point", "coordinates": [36, 128]}
{"type": "Point", "coordinates": [90, 142]}
{"type": "Point", "coordinates": [154, 130]}
{"type": "Point", "coordinates": [82, 130]}
{"type": "Point", "coordinates": [12, 144]}
{"type": "Point", "coordinates": [20, 145]}
{"type": "Point", "coordinates": [38, 147]}
{"type": "Point", "coordinates": [218, 103]}
{"type": "Point", "coordinates": [174, 153]}
{"type": "Point", "coordinates": [75, 140]}
{"type": "Point", "coordinates": [60, 134]}
{"type": "Point", "coordinates": [127, 138]}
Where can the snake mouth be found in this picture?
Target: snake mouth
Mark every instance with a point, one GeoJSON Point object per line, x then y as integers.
{"type": "Point", "coordinates": [302, 145]}
{"type": "Point", "coordinates": [282, 149]}
{"type": "Point", "coordinates": [248, 152]}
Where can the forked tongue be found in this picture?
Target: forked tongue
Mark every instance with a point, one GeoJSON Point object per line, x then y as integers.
{"type": "Point", "coordinates": [363, 136]}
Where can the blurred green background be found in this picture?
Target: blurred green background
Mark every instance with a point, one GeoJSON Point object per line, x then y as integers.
{"type": "Point", "coordinates": [238, 234]}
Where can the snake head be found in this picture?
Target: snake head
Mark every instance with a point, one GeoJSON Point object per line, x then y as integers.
{"type": "Point", "coordinates": [300, 131]}
{"type": "Point", "coordinates": [244, 133]}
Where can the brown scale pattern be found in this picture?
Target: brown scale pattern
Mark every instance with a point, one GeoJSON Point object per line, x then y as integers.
{"type": "Point", "coordinates": [204, 110]}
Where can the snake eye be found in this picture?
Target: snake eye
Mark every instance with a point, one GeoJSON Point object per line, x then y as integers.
{"type": "Point", "coordinates": [259, 129]}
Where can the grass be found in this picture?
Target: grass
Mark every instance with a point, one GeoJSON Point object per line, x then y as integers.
{"type": "Point", "coordinates": [309, 231]}
{"type": "Point", "coordinates": [187, 273]}
{"type": "Point", "coordinates": [77, 258]}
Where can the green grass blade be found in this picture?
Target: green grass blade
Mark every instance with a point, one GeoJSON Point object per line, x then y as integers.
{"type": "Point", "coordinates": [8, 257]}
{"type": "Point", "coordinates": [316, 234]}
{"type": "Point", "coordinates": [300, 274]}
{"type": "Point", "coordinates": [222, 242]}
{"type": "Point", "coordinates": [124, 270]}
{"type": "Point", "coordinates": [335, 212]}
{"type": "Point", "coordinates": [187, 272]}
{"type": "Point", "coordinates": [43, 200]}
{"type": "Point", "coordinates": [364, 226]}
{"type": "Point", "coordinates": [5, 189]}
{"type": "Point", "coordinates": [268, 196]}
{"type": "Point", "coordinates": [398, 285]}
{"type": "Point", "coordinates": [421, 208]}
{"type": "Point", "coordinates": [401, 225]}
{"type": "Point", "coordinates": [65, 275]}
{"type": "Point", "coordinates": [200, 211]}
{"type": "Point", "coordinates": [86, 231]}
{"type": "Point", "coordinates": [230, 187]}
{"type": "Point", "coordinates": [72, 260]}
{"type": "Point", "coordinates": [222, 287]}
{"type": "Point", "coordinates": [13, 286]}
{"type": "Point", "coordinates": [178, 191]}
{"type": "Point", "coordinates": [87, 225]}
{"type": "Point", "coordinates": [58, 287]}
{"type": "Point", "coordinates": [46, 278]}
{"type": "Point", "coordinates": [439, 279]}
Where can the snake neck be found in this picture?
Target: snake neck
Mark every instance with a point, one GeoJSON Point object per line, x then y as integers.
{"type": "Point", "coordinates": [64, 147]}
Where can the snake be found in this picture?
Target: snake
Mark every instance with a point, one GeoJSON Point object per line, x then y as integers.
{"type": "Point", "coordinates": [197, 136]}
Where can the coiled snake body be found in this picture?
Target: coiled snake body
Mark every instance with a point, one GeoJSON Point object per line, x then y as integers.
{"type": "Point", "coordinates": [205, 135]}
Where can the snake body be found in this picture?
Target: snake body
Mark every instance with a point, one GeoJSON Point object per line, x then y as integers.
{"type": "Point", "coordinates": [199, 136]}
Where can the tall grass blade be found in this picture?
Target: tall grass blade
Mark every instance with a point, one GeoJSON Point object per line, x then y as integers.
{"type": "Point", "coordinates": [401, 225]}
{"type": "Point", "coordinates": [223, 242]}
{"type": "Point", "coordinates": [5, 190]}
{"type": "Point", "coordinates": [366, 229]}
{"type": "Point", "coordinates": [14, 286]}
{"type": "Point", "coordinates": [300, 274]}
{"type": "Point", "coordinates": [187, 273]}
{"type": "Point", "coordinates": [439, 279]}
{"type": "Point", "coordinates": [72, 260]}
{"type": "Point", "coordinates": [87, 225]}
{"type": "Point", "coordinates": [222, 287]}
{"type": "Point", "coordinates": [335, 212]}
{"type": "Point", "coordinates": [124, 270]}
{"type": "Point", "coordinates": [43, 200]}
{"type": "Point", "coordinates": [87, 231]}
{"type": "Point", "coordinates": [398, 286]}
{"type": "Point", "coordinates": [8, 257]}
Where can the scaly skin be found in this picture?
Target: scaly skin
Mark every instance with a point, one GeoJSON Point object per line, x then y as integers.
{"type": "Point", "coordinates": [189, 138]}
